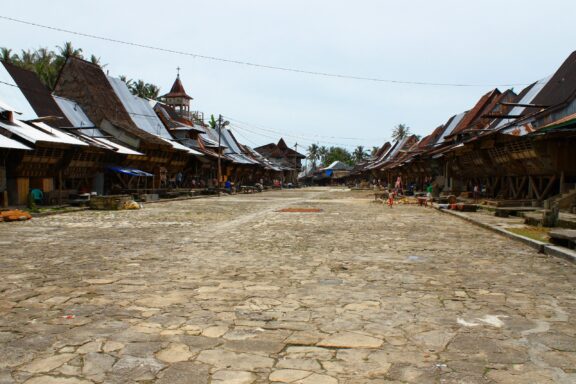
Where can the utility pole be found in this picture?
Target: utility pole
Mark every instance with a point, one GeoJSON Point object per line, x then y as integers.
{"type": "Point", "coordinates": [296, 170]}
{"type": "Point", "coordinates": [221, 125]}
{"type": "Point", "coordinates": [219, 153]}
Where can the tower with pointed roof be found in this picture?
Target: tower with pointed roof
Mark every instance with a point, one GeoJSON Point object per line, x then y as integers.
{"type": "Point", "coordinates": [177, 98]}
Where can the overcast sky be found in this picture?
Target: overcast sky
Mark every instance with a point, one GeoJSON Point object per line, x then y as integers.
{"type": "Point", "coordinates": [488, 43]}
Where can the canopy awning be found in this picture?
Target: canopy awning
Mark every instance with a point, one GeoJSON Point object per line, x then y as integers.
{"type": "Point", "coordinates": [130, 171]}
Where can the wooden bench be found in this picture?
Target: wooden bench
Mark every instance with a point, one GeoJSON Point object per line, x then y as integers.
{"type": "Point", "coordinates": [563, 237]}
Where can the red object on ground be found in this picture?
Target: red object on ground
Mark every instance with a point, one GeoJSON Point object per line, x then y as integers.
{"type": "Point", "coordinates": [14, 215]}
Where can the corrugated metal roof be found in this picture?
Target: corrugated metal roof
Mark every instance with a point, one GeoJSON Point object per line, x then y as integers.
{"type": "Point", "coordinates": [6, 142]}
{"type": "Point", "coordinates": [144, 116]}
{"type": "Point", "coordinates": [181, 147]}
{"type": "Point", "coordinates": [527, 99]}
{"type": "Point", "coordinates": [62, 136]}
{"type": "Point", "coordinates": [453, 124]}
{"type": "Point", "coordinates": [12, 98]}
{"type": "Point", "coordinates": [141, 113]}
{"type": "Point", "coordinates": [75, 114]}
{"type": "Point", "coordinates": [41, 132]}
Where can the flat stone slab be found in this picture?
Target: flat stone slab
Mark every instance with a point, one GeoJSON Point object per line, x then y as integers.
{"type": "Point", "coordinates": [231, 292]}
{"type": "Point", "coordinates": [350, 340]}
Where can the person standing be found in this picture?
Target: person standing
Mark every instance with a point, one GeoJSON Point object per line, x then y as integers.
{"type": "Point", "coordinates": [429, 190]}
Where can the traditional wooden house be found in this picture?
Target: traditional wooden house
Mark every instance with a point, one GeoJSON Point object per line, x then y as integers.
{"type": "Point", "coordinates": [86, 166]}
{"type": "Point", "coordinates": [129, 119]}
{"type": "Point", "coordinates": [285, 158]}
{"type": "Point", "coordinates": [54, 153]}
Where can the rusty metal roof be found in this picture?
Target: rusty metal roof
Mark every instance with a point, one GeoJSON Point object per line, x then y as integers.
{"type": "Point", "coordinates": [177, 90]}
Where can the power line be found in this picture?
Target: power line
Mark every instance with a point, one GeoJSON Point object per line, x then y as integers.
{"type": "Point", "coordinates": [314, 137]}
{"type": "Point", "coordinates": [251, 64]}
{"type": "Point", "coordinates": [311, 140]}
{"type": "Point", "coordinates": [301, 139]}
{"type": "Point", "coordinates": [252, 130]}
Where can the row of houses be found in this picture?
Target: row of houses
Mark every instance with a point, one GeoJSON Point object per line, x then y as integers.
{"type": "Point", "coordinates": [92, 135]}
{"type": "Point", "coordinates": [513, 146]}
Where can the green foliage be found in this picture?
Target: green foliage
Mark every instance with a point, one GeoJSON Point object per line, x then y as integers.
{"type": "Point", "coordinates": [313, 154]}
{"type": "Point", "coordinates": [336, 154]}
{"type": "Point", "coordinates": [359, 154]}
{"type": "Point", "coordinates": [47, 65]}
{"type": "Point", "coordinates": [213, 123]}
{"type": "Point", "coordinates": [142, 89]}
{"type": "Point", "coordinates": [400, 131]}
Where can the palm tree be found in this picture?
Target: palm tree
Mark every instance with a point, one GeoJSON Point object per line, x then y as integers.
{"type": "Point", "coordinates": [322, 154]}
{"type": "Point", "coordinates": [152, 91]}
{"type": "Point", "coordinates": [27, 59]}
{"type": "Point", "coordinates": [67, 50]}
{"type": "Point", "coordinates": [138, 88]}
{"type": "Point", "coordinates": [7, 56]}
{"type": "Point", "coordinates": [313, 154]}
{"type": "Point", "coordinates": [400, 131]}
{"type": "Point", "coordinates": [126, 80]}
{"type": "Point", "coordinates": [359, 154]}
{"type": "Point", "coordinates": [143, 89]}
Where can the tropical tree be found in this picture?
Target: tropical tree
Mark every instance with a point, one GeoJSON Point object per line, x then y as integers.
{"type": "Point", "coordinates": [7, 56]}
{"type": "Point", "coordinates": [337, 154]}
{"type": "Point", "coordinates": [213, 123]}
{"type": "Point", "coordinates": [95, 60]}
{"type": "Point", "coordinates": [359, 154]}
{"type": "Point", "coordinates": [142, 89]}
{"type": "Point", "coordinates": [400, 131]}
{"type": "Point", "coordinates": [313, 154]}
{"type": "Point", "coordinates": [47, 65]}
{"type": "Point", "coordinates": [322, 153]}
{"type": "Point", "coordinates": [126, 80]}
{"type": "Point", "coordinates": [27, 59]}
{"type": "Point", "coordinates": [152, 90]}
{"type": "Point", "coordinates": [67, 50]}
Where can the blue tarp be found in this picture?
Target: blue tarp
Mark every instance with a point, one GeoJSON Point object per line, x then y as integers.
{"type": "Point", "coordinates": [130, 171]}
{"type": "Point", "coordinates": [329, 172]}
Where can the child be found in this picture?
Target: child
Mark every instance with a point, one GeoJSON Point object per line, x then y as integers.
{"type": "Point", "coordinates": [391, 199]}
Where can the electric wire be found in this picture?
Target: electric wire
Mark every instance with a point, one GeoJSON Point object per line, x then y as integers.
{"type": "Point", "coordinates": [247, 127]}
{"type": "Point", "coordinates": [251, 64]}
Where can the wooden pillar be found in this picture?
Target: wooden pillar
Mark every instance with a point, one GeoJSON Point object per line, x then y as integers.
{"type": "Point", "coordinates": [561, 189]}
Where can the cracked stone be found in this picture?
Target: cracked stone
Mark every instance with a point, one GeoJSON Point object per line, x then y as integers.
{"type": "Point", "coordinates": [350, 340]}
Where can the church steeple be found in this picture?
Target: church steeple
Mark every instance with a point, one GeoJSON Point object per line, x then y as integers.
{"type": "Point", "coordinates": [177, 98]}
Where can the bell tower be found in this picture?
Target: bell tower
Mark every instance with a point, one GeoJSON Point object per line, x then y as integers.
{"type": "Point", "coordinates": [177, 98]}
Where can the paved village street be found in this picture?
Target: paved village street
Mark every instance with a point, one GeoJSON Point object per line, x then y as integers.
{"type": "Point", "coordinates": [231, 290]}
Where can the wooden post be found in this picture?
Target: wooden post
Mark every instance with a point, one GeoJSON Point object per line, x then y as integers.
{"type": "Point", "coordinates": [5, 200]}
{"type": "Point", "coordinates": [561, 181]}
{"type": "Point", "coordinates": [60, 187]}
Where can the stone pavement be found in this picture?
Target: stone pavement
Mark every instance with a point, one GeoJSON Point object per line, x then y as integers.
{"type": "Point", "coordinates": [231, 291]}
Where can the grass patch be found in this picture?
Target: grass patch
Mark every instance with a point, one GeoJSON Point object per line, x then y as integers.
{"type": "Point", "coordinates": [534, 233]}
